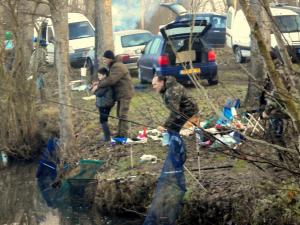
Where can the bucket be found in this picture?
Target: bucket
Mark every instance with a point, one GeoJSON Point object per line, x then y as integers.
{"type": "Point", "coordinates": [83, 71]}
{"type": "Point", "coordinates": [165, 139]}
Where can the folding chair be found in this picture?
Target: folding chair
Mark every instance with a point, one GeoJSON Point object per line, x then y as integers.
{"type": "Point", "coordinates": [253, 124]}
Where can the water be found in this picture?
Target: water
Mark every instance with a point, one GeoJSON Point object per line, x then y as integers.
{"type": "Point", "coordinates": [21, 202]}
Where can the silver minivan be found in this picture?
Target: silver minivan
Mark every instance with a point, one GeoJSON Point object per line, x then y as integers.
{"type": "Point", "coordinates": [128, 46]}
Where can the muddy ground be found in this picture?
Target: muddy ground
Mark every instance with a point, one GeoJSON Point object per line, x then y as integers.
{"type": "Point", "coordinates": [229, 195]}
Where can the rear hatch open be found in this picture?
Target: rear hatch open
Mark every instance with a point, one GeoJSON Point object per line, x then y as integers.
{"type": "Point", "coordinates": [184, 43]}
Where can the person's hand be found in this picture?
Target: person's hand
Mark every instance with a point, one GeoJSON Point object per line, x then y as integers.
{"type": "Point", "coordinates": [95, 83]}
{"type": "Point", "coordinates": [94, 88]}
{"type": "Point", "coordinates": [161, 129]}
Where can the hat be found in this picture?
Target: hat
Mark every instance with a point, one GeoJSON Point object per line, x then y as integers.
{"type": "Point", "coordinates": [109, 54]}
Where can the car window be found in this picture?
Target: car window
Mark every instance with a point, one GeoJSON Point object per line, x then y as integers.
{"type": "Point", "coordinates": [135, 39]}
{"type": "Point", "coordinates": [80, 30]}
{"type": "Point", "coordinates": [147, 48]}
{"type": "Point", "coordinates": [155, 46]}
{"type": "Point", "coordinates": [288, 23]}
{"type": "Point", "coordinates": [207, 18]}
{"type": "Point", "coordinates": [218, 22]}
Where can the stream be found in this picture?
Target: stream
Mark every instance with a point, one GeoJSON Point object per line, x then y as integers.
{"type": "Point", "coordinates": [21, 202]}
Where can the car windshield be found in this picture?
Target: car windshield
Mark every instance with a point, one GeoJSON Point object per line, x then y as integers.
{"type": "Point", "coordinates": [287, 24]}
{"type": "Point", "coordinates": [80, 30]}
{"type": "Point", "coordinates": [135, 39]}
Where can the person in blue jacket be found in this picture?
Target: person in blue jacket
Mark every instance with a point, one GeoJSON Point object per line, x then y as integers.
{"type": "Point", "coordinates": [104, 101]}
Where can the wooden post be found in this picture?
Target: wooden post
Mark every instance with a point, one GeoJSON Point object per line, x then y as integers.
{"type": "Point", "coordinates": [131, 153]}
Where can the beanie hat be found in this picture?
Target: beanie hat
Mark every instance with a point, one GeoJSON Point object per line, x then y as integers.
{"type": "Point", "coordinates": [109, 54]}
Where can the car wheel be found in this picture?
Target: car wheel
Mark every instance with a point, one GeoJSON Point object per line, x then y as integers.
{"type": "Point", "coordinates": [142, 81]}
{"type": "Point", "coordinates": [212, 82]}
{"type": "Point", "coordinates": [90, 67]}
{"type": "Point", "coordinates": [239, 58]}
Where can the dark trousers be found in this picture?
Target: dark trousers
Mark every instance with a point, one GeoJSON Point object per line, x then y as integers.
{"type": "Point", "coordinates": [104, 114]}
{"type": "Point", "coordinates": [122, 114]}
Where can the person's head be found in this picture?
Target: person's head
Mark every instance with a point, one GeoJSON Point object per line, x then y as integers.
{"type": "Point", "coordinates": [108, 57]}
{"type": "Point", "coordinates": [158, 83]}
{"type": "Point", "coordinates": [103, 72]}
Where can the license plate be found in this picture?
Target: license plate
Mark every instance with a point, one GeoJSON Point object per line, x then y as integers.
{"type": "Point", "coordinates": [190, 71]}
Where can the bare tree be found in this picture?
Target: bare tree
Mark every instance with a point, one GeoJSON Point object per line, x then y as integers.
{"type": "Point", "coordinates": [18, 120]}
{"type": "Point", "coordinates": [257, 61]}
{"type": "Point", "coordinates": [104, 33]}
{"type": "Point", "coordinates": [59, 14]}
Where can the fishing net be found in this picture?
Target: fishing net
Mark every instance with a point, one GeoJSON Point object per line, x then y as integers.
{"type": "Point", "coordinates": [77, 191]}
{"type": "Point", "coordinates": [170, 188]}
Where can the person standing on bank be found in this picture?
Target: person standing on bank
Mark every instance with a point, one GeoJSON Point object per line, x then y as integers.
{"type": "Point", "coordinates": [120, 80]}
{"type": "Point", "coordinates": [104, 102]}
{"type": "Point", "coordinates": [182, 107]}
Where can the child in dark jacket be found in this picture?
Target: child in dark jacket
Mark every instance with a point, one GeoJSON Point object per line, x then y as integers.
{"type": "Point", "coordinates": [104, 102]}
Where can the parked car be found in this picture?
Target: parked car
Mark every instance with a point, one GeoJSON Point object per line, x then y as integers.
{"type": "Point", "coordinates": [159, 56]}
{"type": "Point", "coordinates": [81, 37]}
{"type": "Point", "coordinates": [216, 35]}
{"type": "Point", "coordinates": [238, 32]}
{"type": "Point", "coordinates": [128, 45]}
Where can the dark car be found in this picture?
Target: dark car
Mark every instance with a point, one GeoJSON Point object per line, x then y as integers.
{"type": "Point", "coordinates": [169, 53]}
{"type": "Point", "coordinates": [216, 35]}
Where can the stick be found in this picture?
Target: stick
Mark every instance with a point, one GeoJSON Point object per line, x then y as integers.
{"type": "Point", "coordinates": [131, 156]}
{"type": "Point", "coordinates": [213, 168]}
{"type": "Point", "coordinates": [195, 178]}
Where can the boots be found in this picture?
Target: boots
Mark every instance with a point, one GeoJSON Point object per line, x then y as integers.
{"type": "Point", "coordinates": [106, 132]}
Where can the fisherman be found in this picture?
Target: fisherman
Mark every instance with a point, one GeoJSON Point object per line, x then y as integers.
{"type": "Point", "coordinates": [182, 107]}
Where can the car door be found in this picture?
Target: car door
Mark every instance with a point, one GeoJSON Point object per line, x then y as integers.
{"type": "Point", "coordinates": [154, 53]}
{"type": "Point", "coordinates": [184, 28]}
{"type": "Point", "coordinates": [152, 58]}
{"type": "Point", "coordinates": [144, 62]}
{"type": "Point", "coordinates": [216, 35]}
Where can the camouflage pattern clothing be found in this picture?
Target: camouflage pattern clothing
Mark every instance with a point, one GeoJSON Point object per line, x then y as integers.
{"type": "Point", "coordinates": [182, 107]}
{"type": "Point", "coordinates": [37, 69]}
{"type": "Point", "coordinates": [38, 63]}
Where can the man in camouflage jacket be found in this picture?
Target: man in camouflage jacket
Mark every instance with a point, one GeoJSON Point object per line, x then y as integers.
{"type": "Point", "coordinates": [38, 67]}
{"type": "Point", "coordinates": [182, 107]}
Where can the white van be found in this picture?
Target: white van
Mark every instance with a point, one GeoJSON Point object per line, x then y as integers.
{"type": "Point", "coordinates": [81, 37]}
{"type": "Point", "coordinates": [238, 32]}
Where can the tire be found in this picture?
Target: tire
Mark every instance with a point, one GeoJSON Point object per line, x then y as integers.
{"type": "Point", "coordinates": [238, 55]}
{"type": "Point", "coordinates": [142, 81]}
{"type": "Point", "coordinates": [90, 67]}
{"type": "Point", "coordinates": [212, 82]}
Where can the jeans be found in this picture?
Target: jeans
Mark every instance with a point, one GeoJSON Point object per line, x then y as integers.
{"type": "Point", "coordinates": [104, 114]}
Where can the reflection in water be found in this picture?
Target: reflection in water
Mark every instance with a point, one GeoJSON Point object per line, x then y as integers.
{"type": "Point", "coordinates": [21, 203]}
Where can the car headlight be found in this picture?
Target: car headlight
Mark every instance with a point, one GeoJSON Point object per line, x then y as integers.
{"type": "Point", "coordinates": [71, 50]}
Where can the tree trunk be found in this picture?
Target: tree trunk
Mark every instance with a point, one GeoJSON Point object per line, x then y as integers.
{"type": "Point", "coordinates": [59, 13]}
{"type": "Point", "coordinates": [104, 33]}
{"type": "Point", "coordinates": [257, 61]}
{"type": "Point", "coordinates": [18, 120]}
